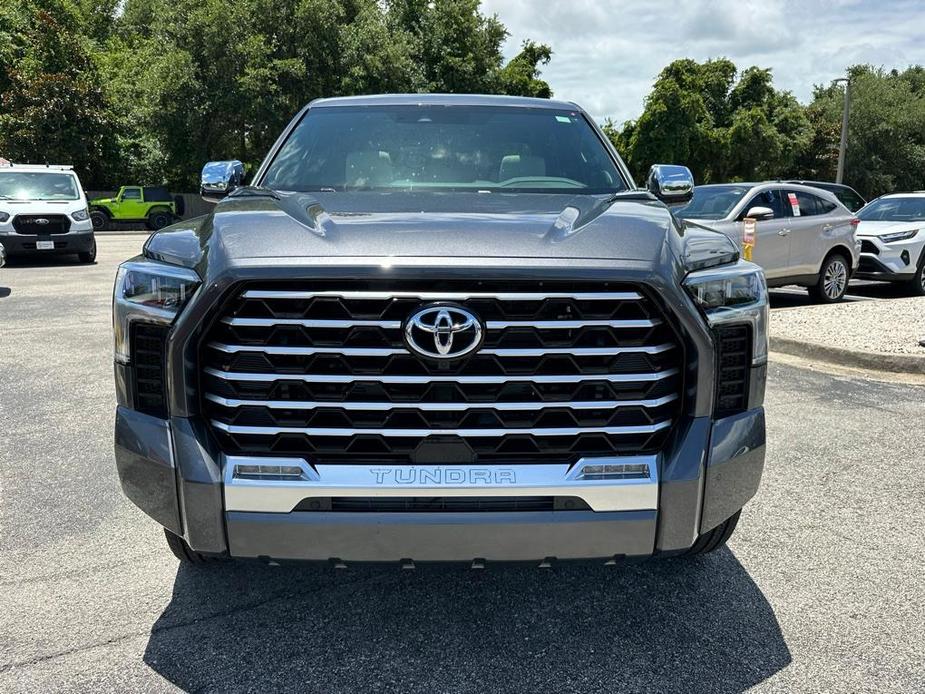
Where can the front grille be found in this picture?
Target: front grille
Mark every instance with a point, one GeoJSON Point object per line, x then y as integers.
{"type": "Point", "coordinates": [442, 504]}
{"type": "Point", "coordinates": [869, 247]}
{"type": "Point", "coordinates": [41, 224]}
{"type": "Point", "coordinates": [320, 370]}
{"type": "Point", "coordinates": [733, 356]}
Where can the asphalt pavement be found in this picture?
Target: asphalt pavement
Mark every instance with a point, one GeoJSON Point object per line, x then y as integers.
{"type": "Point", "coordinates": [820, 590]}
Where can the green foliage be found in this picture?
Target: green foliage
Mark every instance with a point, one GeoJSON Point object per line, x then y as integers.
{"type": "Point", "coordinates": [697, 114]}
{"type": "Point", "coordinates": [886, 131]}
{"type": "Point", "coordinates": [145, 91]}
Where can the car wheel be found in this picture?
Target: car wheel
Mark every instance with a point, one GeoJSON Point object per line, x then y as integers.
{"type": "Point", "coordinates": [182, 551]}
{"type": "Point", "coordinates": [916, 286]}
{"type": "Point", "coordinates": [159, 220]}
{"type": "Point", "coordinates": [713, 539]}
{"type": "Point", "coordinates": [99, 219]}
{"type": "Point", "coordinates": [90, 255]}
{"type": "Point", "coordinates": [833, 280]}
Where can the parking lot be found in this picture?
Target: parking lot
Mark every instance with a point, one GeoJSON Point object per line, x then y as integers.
{"type": "Point", "coordinates": [820, 589]}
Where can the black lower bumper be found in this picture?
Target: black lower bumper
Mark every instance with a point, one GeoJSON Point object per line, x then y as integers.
{"type": "Point", "coordinates": [25, 244]}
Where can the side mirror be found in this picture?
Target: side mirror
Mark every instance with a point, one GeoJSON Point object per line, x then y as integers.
{"type": "Point", "coordinates": [673, 185]}
{"type": "Point", "coordinates": [760, 213]}
{"type": "Point", "coordinates": [220, 178]}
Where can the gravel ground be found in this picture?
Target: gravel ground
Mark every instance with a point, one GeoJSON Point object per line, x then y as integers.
{"type": "Point", "coordinates": [891, 326]}
{"type": "Point", "coordinates": [820, 589]}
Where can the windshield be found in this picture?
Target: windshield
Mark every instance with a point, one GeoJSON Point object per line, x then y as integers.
{"type": "Point", "coordinates": [473, 148]}
{"type": "Point", "coordinates": [894, 210]}
{"type": "Point", "coordinates": [712, 202]}
{"type": "Point", "coordinates": [38, 185]}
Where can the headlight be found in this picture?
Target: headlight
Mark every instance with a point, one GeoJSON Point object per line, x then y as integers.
{"type": "Point", "coordinates": [150, 292]}
{"type": "Point", "coordinates": [4, 217]}
{"type": "Point", "coordinates": [734, 294]}
{"type": "Point", "coordinates": [899, 236]}
{"type": "Point", "coordinates": [80, 215]}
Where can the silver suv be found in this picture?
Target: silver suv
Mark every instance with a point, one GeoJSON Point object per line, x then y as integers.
{"type": "Point", "coordinates": [803, 235]}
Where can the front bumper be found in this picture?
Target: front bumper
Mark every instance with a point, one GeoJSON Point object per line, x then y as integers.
{"type": "Point", "coordinates": [75, 241]}
{"type": "Point", "coordinates": [170, 470]}
{"type": "Point", "coordinates": [890, 261]}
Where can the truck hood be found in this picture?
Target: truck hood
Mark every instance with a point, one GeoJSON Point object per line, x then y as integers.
{"type": "Point", "coordinates": [15, 207]}
{"type": "Point", "coordinates": [462, 225]}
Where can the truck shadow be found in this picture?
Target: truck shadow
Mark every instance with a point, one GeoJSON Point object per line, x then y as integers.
{"type": "Point", "coordinates": [663, 626]}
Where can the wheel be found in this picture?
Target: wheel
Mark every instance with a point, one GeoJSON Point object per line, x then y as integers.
{"type": "Point", "coordinates": [90, 255]}
{"type": "Point", "coordinates": [717, 537]}
{"type": "Point", "coordinates": [833, 280]}
{"type": "Point", "coordinates": [916, 286]}
{"type": "Point", "coordinates": [100, 220]}
{"type": "Point", "coordinates": [158, 220]}
{"type": "Point", "coordinates": [181, 550]}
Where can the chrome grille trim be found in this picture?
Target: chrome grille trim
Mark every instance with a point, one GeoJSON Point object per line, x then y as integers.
{"type": "Point", "coordinates": [441, 406]}
{"type": "Point", "coordinates": [442, 296]}
{"type": "Point", "coordinates": [487, 380]}
{"type": "Point", "coordinates": [388, 351]}
{"type": "Point", "coordinates": [421, 433]}
{"type": "Point", "coordinates": [396, 325]}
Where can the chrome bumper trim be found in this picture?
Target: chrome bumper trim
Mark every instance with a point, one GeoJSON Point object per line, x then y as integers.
{"type": "Point", "coordinates": [443, 296]}
{"type": "Point", "coordinates": [633, 493]}
{"type": "Point", "coordinates": [389, 351]}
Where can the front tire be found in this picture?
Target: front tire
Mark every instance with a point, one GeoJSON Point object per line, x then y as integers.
{"type": "Point", "coordinates": [181, 550]}
{"type": "Point", "coordinates": [713, 539]}
{"type": "Point", "coordinates": [88, 256]}
{"type": "Point", "coordinates": [100, 220]}
{"type": "Point", "coordinates": [833, 280]}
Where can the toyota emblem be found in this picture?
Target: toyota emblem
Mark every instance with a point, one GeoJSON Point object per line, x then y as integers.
{"type": "Point", "coordinates": [443, 331]}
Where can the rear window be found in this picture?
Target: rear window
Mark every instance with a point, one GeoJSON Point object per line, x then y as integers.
{"type": "Point", "coordinates": [37, 185]}
{"type": "Point", "coordinates": [473, 148]}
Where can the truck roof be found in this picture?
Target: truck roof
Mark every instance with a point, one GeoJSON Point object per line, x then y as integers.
{"type": "Point", "coordinates": [37, 167]}
{"type": "Point", "coordinates": [443, 100]}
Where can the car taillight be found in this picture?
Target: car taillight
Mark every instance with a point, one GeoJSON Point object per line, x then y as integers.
{"type": "Point", "coordinates": [855, 222]}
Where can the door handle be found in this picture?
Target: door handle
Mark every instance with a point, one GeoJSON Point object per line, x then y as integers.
{"type": "Point", "coordinates": [783, 232]}
{"type": "Point", "coordinates": [828, 227]}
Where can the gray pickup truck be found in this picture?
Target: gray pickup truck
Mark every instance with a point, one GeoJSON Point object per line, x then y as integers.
{"type": "Point", "coordinates": [440, 328]}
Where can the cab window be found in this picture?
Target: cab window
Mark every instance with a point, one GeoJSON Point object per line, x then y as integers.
{"type": "Point", "coordinates": [766, 198]}
{"type": "Point", "coordinates": [131, 194]}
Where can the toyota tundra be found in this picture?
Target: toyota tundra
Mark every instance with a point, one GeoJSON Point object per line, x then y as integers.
{"type": "Point", "coordinates": [440, 328]}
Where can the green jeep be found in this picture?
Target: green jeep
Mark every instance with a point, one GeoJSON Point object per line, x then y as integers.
{"type": "Point", "coordinates": [152, 205]}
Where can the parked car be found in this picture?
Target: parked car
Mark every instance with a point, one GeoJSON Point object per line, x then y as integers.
{"type": "Point", "coordinates": [892, 235]}
{"type": "Point", "coordinates": [846, 195]}
{"type": "Point", "coordinates": [43, 211]}
{"type": "Point", "coordinates": [456, 331]}
{"type": "Point", "coordinates": [804, 235]}
{"type": "Point", "coordinates": [153, 205]}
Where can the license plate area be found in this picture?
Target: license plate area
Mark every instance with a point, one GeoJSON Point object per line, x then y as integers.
{"type": "Point", "coordinates": [45, 245]}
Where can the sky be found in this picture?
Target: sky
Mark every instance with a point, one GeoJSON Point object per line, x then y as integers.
{"type": "Point", "coordinates": [607, 53]}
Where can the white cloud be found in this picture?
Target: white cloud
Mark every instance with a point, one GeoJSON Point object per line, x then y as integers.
{"type": "Point", "coordinates": [607, 53]}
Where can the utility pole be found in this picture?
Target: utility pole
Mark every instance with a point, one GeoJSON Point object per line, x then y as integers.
{"type": "Point", "coordinates": [843, 145]}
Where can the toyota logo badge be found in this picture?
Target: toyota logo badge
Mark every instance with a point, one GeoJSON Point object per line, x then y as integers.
{"type": "Point", "coordinates": [443, 331]}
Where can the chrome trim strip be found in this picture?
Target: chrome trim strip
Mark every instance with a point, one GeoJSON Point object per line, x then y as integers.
{"type": "Point", "coordinates": [445, 296]}
{"type": "Point", "coordinates": [396, 325]}
{"type": "Point", "coordinates": [441, 406]}
{"type": "Point", "coordinates": [387, 351]}
{"type": "Point", "coordinates": [420, 433]}
{"type": "Point", "coordinates": [347, 378]}
{"type": "Point", "coordinates": [281, 496]}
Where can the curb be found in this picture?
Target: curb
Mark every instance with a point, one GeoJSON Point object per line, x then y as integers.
{"type": "Point", "coordinates": [874, 361]}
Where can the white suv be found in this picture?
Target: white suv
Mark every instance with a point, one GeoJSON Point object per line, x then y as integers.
{"type": "Point", "coordinates": [892, 235]}
{"type": "Point", "coordinates": [43, 210]}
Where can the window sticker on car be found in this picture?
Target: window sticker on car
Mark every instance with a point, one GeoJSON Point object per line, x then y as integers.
{"type": "Point", "coordinates": [794, 204]}
{"type": "Point", "coordinates": [563, 119]}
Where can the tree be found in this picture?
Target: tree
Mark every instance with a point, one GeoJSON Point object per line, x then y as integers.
{"type": "Point", "coordinates": [52, 109]}
{"type": "Point", "coordinates": [699, 115]}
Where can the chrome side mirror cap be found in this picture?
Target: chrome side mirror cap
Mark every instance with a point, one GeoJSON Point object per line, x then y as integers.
{"type": "Point", "coordinates": [760, 212]}
{"type": "Point", "coordinates": [673, 185]}
{"type": "Point", "coordinates": [220, 178]}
